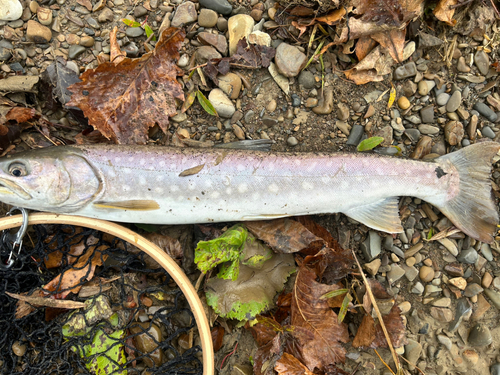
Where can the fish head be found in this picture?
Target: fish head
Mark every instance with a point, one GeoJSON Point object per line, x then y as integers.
{"type": "Point", "coordinates": [56, 179]}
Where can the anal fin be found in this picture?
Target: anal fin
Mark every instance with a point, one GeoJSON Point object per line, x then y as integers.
{"type": "Point", "coordinates": [382, 215]}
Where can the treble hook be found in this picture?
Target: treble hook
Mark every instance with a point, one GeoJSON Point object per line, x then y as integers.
{"type": "Point", "coordinates": [13, 241]}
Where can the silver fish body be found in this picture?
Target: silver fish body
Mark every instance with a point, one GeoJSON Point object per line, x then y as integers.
{"type": "Point", "coordinates": [162, 185]}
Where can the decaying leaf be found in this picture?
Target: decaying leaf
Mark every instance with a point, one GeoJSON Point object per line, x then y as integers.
{"type": "Point", "coordinates": [312, 312]}
{"type": "Point", "coordinates": [390, 13]}
{"type": "Point", "coordinates": [254, 290]}
{"type": "Point", "coordinates": [393, 41]}
{"type": "Point", "coordinates": [444, 11]}
{"type": "Point", "coordinates": [247, 56]}
{"type": "Point", "coordinates": [365, 334]}
{"type": "Point", "coordinates": [333, 17]}
{"type": "Point", "coordinates": [395, 327]}
{"type": "Point", "coordinates": [60, 77]}
{"type": "Point", "coordinates": [285, 235]}
{"type": "Point", "coordinates": [124, 100]}
{"type": "Point", "coordinates": [372, 68]}
{"type": "Point", "coordinates": [47, 302]}
{"type": "Point", "coordinates": [289, 365]}
{"type": "Point", "coordinates": [116, 55]}
{"type": "Point", "coordinates": [70, 280]}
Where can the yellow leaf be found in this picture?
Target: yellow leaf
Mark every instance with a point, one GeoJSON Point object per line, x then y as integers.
{"type": "Point", "coordinates": [392, 97]}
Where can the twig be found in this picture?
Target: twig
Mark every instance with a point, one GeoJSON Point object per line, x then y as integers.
{"type": "Point", "coordinates": [379, 316]}
{"type": "Point", "coordinates": [48, 302]}
{"type": "Point", "coordinates": [460, 4]}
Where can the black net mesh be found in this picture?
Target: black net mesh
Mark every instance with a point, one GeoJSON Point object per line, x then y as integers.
{"type": "Point", "coordinates": [135, 321]}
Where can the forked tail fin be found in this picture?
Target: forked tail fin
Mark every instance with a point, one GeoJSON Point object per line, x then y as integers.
{"type": "Point", "coordinates": [472, 210]}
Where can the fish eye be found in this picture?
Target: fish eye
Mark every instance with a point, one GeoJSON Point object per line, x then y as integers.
{"type": "Point", "coordinates": [17, 169]}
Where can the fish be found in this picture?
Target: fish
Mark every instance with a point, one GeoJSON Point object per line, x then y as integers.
{"type": "Point", "coordinates": [165, 185]}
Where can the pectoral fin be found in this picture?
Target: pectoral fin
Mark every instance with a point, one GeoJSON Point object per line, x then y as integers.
{"type": "Point", "coordinates": [382, 215]}
{"type": "Point", "coordinates": [132, 205]}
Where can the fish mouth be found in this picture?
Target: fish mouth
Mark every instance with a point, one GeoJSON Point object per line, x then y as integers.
{"type": "Point", "coordinates": [8, 188]}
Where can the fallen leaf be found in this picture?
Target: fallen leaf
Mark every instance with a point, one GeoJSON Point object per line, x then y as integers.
{"type": "Point", "coordinates": [266, 356]}
{"type": "Point", "coordinates": [69, 281]}
{"type": "Point", "coordinates": [217, 337]}
{"type": "Point", "coordinates": [365, 334]}
{"type": "Point", "coordinates": [333, 17]}
{"type": "Point", "coordinates": [284, 235]}
{"type": "Point", "coordinates": [372, 68]}
{"type": "Point", "coordinates": [390, 13]}
{"type": "Point", "coordinates": [169, 245]}
{"type": "Point", "coordinates": [364, 45]}
{"type": "Point", "coordinates": [60, 78]}
{"type": "Point", "coordinates": [392, 97]}
{"type": "Point", "coordinates": [264, 330]}
{"type": "Point", "coordinates": [444, 11]}
{"type": "Point", "coordinates": [289, 365]}
{"type": "Point", "coordinates": [313, 313]}
{"type": "Point", "coordinates": [369, 143]}
{"type": "Point", "coordinates": [116, 55]}
{"type": "Point", "coordinates": [302, 11]}
{"type": "Point", "coordinates": [247, 56]}
{"type": "Point", "coordinates": [20, 114]}
{"type": "Point", "coordinates": [393, 41]}
{"type": "Point", "coordinates": [395, 327]}
{"type": "Point", "coordinates": [124, 100]}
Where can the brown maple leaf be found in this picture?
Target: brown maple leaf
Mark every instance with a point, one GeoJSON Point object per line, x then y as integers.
{"type": "Point", "coordinates": [124, 100]}
{"type": "Point", "coordinates": [395, 327]}
{"type": "Point", "coordinates": [313, 313]}
{"type": "Point", "coordinates": [445, 10]}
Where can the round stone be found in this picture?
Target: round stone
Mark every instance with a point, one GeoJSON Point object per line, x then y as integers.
{"type": "Point", "coordinates": [426, 274]}
{"type": "Point", "coordinates": [480, 335]}
{"type": "Point", "coordinates": [221, 103]}
{"type": "Point", "coordinates": [403, 103]}
{"type": "Point", "coordinates": [134, 32]}
{"type": "Point", "coordinates": [207, 18]}
{"type": "Point", "coordinates": [292, 141]}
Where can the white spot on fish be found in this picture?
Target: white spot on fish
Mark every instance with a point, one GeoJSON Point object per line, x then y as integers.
{"type": "Point", "coordinates": [118, 159]}
{"type": "Point", "coordinates": [215, 194]}
{"type": "Point", "coordinates": [385, 161]}
{"type": "Point", "coordinates": [353, 156]}
{"type": "Point", "coordinates": [240, 167]}
{"type": "Point", "coordinates": [142, 180]}
{"type": "Point", "coordinates": [273, 188]}
{"type": "Point", "coordinates": [180, 198]}
{"type": "Point", "coordinates": [208, 183]}
{"type": "Point", "coordinates": [306, 185]}
{"type": "Point", "coordinates": [297, 162]}
{"type": "Point", "coordinates": [151, 167]}
{"type": "Point", "coordinates": [158, 190]}
{"type": "Point", "coordinates": [270, 166]}
{"type": "Point", "coordinates": [229, 191]}
{"type": "Point", "coordinates": [131, 159]}
{"type": "Point", "coordinates": [142, 161]}
{"type": "Point", "coordinates": [174, 188]}
{"type": "Point", "coordinates": [126, 188]}
{"type": "Point", "coordinates": [325, 179]}
{"type": "Point", "coordinates": [344, 184]}
{"type": "Point", "coordinates": [312, 166]}
{"type": "Point", "coordinates": [242, 188]}
{"type": "Point", "coordinates": [162, 163]}
{"type": "Point", "coordinates": [127, 171]}
{"type": "Point", "coordinates": [192, 185]}
{"type": "Point", "coordinates": [255, 196]}
{"type": "Point", "coordinates": [111, 174]}
{"type": "Point", "coordinates": [160, 178]}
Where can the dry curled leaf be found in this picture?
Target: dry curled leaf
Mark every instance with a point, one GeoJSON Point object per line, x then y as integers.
{"type": "Point", "coordinates": [393, 41]}
{"type": "Point", "coordinates": [289, 365]}
{"type": "Point", "coordinates": [444, 11]}
{"type": "Point", "coordinates": [390, 13]}
{"type": "Point", "coordinates": [124, 100]}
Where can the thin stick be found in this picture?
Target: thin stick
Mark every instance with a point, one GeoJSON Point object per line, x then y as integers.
{"type": "Point", "coordinates": [379, 316]}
